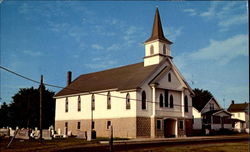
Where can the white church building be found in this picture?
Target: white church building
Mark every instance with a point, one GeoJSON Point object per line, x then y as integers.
{"type": "Point", "coordinates": [147, 99]}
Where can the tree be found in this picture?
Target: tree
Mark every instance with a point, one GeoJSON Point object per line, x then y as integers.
{"type": "Point", "coordinates": [4, 115]}
{"type": "Point", "coordinates": [201, 95]}
{"type": "Point", "coordinates": [24, 109]}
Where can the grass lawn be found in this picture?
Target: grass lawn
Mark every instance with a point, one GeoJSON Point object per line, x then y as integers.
{"type": "Point", "coordinates": [214, 147]}
{"type": "Point", "coordinates": [46, 145]}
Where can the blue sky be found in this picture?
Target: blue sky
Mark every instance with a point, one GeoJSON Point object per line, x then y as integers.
{"type": "Point", "coordinates": [210, 41]}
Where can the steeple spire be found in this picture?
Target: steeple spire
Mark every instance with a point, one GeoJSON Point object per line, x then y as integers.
{"type": "Point", "coordinates": [157, 32]}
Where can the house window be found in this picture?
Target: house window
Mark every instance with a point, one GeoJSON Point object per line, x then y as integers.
{"type": "Point", "coordinates": [161, 100]}
{"type": "Point", "coordinates": [211, 106]}
{"type": "Point", "coordinates": [66, 124]}
{"type": "Point", "coordinates": [158, 124]}
{"type": "Point", "coordinates": [166, 98]}
{"type": "Point", "coordinates": [186, 104]}
{"type": "Point", "coordinates": [128, 101]}
{"type": "Point", "coordinates": [108, 101]}
{"type": "Point", "coordinates": [164, 49]}
{"type": "Point", "coordinates": [93, 102]}
{"type": "Point", "coordinates": [66, 105]}
{"type": "Point", "coordinates": [143, 101]}
{"type": "Point", "coordinates": [93, 124]}
{"type": "Point", "coordinates": [78, 125]}
{"type": "Point", "coordinates": [171, 101]}
{"type": "Point", "coordinates": [169, 77]}
{"type": "Point", "coordinates": [108, 124]}
{"type": "Point", "coordinates": [181, 124]}
{"type": "Point", "coordinates": [151, 50]}
{"type": "Point", "coordinates": [79, 104]}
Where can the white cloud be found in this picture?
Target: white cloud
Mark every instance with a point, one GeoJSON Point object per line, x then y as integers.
{"type": "Point", "coordinates": [172, 33]}
{"type": "Point", "coordinates": [114, 47]}
{"type": "Point", "coordinates": [190, 11]}
{"type": "Point", "coordinates": [211, 10]}
{"type": "Point", "coordinates": [32, 53]}
{"type": "Point", "coordinates": [223, 51]}
{"type": "Point", "coordinates": [97, 47]}
{"type": "Point", "coordinates": [101, 65]}
{"type": "Point", "coordinates": [233, 20]}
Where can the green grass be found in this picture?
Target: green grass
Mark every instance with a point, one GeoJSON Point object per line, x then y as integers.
{"type": "Point", "coordinates": [215, 147]}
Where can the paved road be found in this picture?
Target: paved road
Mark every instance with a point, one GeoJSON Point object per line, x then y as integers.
{"type": "Point", "coordinates": [147, 143]}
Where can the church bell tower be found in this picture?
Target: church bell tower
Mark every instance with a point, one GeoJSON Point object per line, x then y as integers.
{"type": "Point", "coordinates": [157, 47]}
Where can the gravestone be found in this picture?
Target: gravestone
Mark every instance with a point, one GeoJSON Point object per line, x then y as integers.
{"type": "Point", "coordinates": [5, 132]}
{"type": "Point", "coordinates": [22, 134]}
{"type": "Point", "coordinates": [47, 134]}
{"type": "Point", "coordinates": [81, 134]}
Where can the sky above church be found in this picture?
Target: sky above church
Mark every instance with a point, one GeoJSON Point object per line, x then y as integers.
{"type": "Point", "coordinates": [210, 41]}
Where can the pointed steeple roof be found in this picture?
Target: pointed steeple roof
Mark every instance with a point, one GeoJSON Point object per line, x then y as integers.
{"type": "Point", "coordinates": [157, 32]}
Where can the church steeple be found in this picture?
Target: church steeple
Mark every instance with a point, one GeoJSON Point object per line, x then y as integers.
{"type": "Point", "coordinates": [157, 47]}
{"type": "Point", "coordinates": [157, 32]}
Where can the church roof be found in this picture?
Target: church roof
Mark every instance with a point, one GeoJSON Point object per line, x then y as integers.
{"type": "Point", "coordinates": [240, 107]}
{"type": "Point", "coordinates": [157, 32]}
{"type": "Point", "coordinates": [121, 78]}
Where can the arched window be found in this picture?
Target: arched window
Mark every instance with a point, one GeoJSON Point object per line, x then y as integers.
{"type": "Point", "coordinates": [79, 103]}
{"type": "Point", "coordinates": [161, 100]}
{"type": "Point", "coordinates": [164, 49]}
{"type": "Point", "coordinates": [128, 101]}
{"type": "Point", "coordinates": [108, 101]}
{"type": "Point", "coordinates": [186, 104]}
{"type": "Point", "coordinates": [143, 100]}
{"type": "Point", "coordinates": [66, 105]}
{"type": "Point", "coordinates": [151, 50]}
{"type": "Point", "coordinates": [169, 77]}
{"type": "Point", "coordinates": [171, 101]}
{"type": "Point", "coordinates": [93, 102]}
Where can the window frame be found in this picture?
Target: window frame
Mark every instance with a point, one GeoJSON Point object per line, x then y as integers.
{"type": "Point", "coordinates": [164, 49]}
{"type": "Point", "coordinates": [79, 104]}
{"type": "Point", "coordinates": [108, 101]}
{"type": "Point", "coordinates": [185, 104]}
{"type": "Point", "coordinates": [143, 100]}
{"type": "Point", "coordinates": [171, 104]}
{"type": "Point", "coordinates": [159, 125]}
{"type": "Point", "coordinates": [169, 77]}
{"type": "Point", "coordinates": [108, 124]}
{"type": "Point", "coordinates": [161, 104]}
{"type": "Point", "coordinates": [93, 102]}
{"type": "Point", "coordinates": [128, 104]}
{"type": "Point", "coordinates": [151, 49]}
{"type": "Point", "coordinates": [78, 127]}
{"type": "Point", "coordinates": [66, 105]}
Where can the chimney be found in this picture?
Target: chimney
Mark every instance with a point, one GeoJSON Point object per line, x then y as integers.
{"type": "Point", "coordinates": [69, 75]}
{"type": "Point", "coordinates": [232, 101]}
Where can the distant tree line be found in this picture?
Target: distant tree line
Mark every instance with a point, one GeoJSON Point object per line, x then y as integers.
{"type": "Point", "coordinates": [23, 111]}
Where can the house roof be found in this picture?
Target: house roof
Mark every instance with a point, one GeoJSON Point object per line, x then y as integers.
{"type": "Point", "coordinates": [214, 112]}
{"type": "Point", "coordinates": [157, 32]}
{"type": "Point", "coordinates": [200, 105]}
{"type": "Point", "coordinates": [239, 107]}
{"type": "Point", "coordinates": [121, 78]}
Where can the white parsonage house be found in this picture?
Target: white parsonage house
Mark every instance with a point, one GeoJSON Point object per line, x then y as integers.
{"type": "Point", "coordinates": [147, 99]}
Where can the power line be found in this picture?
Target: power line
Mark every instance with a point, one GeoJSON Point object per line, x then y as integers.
{"type": "Point", "coordinates": [56, 86]}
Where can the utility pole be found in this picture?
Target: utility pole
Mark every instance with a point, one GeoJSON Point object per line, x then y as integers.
{"type": "Point", "coordinates": [41, 88]}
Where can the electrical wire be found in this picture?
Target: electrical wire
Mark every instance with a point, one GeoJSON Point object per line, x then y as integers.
{"type": "Point", "coordinates": [56, 86]}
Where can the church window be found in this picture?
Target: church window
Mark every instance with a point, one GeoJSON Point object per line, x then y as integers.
{"type": "Point", "coordinates": [78, 125]}
{"type": "Point", "coordinates": [181, 124]}
{"type": "Point", "coordinates": [166, 98]}
{"type": "Point", "coordinates": [93, 125]}
{"type": "Point", "coordinates": [143, 101]}
{"type": "Point", "coordinates": [108, 124]}
{"type": "Point", "coordinates": [186, 104]}
{"type": "Point", "coordinates": [164, 49]}
{"type": "Point", "coordinates": [151, 50]}
{"type": "Point", "coordinates": [128, 101]}
{"type": "Point", "coordinates": [171, 101]}
{"type": "Point", "coordinates": [93, 102]}
{"type": "Point", "coordinates": [169, 77]}
{"type": "Point", "coordinates": [79, 103]}
{"type": "Point", "coordinates": [108, 101]}
{"type": "Point", "coordinates": [66, 105]}
{"type": "Point", "coordinates": [161, 100]}
{"type": "Point", "coordinates": [158, 124]}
